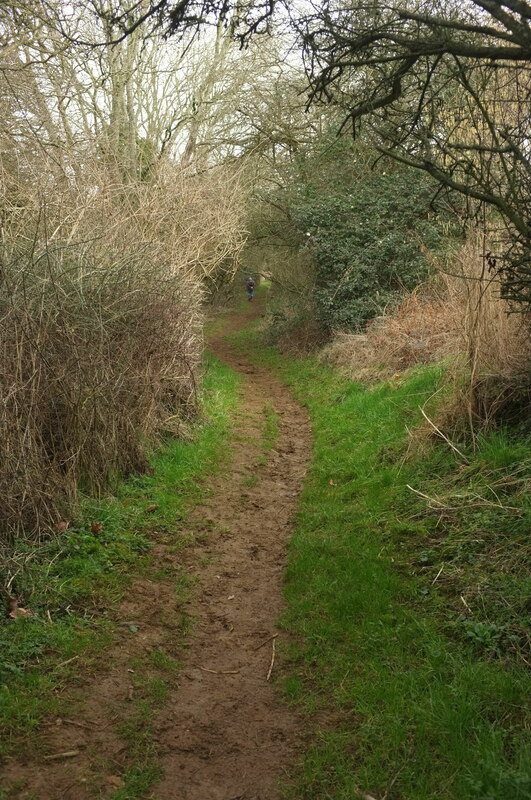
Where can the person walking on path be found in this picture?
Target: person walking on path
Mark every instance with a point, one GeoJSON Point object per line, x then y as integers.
{"type": "Point", "coordinates": [250, 288]}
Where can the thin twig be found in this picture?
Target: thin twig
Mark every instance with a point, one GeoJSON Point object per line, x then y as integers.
{"type": "Point", "coordinates": [465, 604]}
{"type": "Point", "coordinates": [272, 660]}
{"type": "Point", "coordinates": [437, 576]}
{"type": "Point", "coordinates": [64, 663]}
{"type": "Point", "coordinates": [66, 754]}
{"type": "Point", "coordinates": [425, 496]}
{"type": "Point", "coordinates": [262, 644]}
{"type": "Point", "coordinates": [391, 784]}
{"type": "Point", "coordinates": [441, 434]}
{"type": "Point", "coordinates": [78, 724]}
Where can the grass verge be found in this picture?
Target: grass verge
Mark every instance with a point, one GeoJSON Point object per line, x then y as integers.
{"type": "Point", "coordinates": [409, 614]}
{"type": "Point", "coordinates": [71, 583]}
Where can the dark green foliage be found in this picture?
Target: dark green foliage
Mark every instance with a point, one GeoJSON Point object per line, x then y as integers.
{"type": "Point", "coordinates": [366, 227]}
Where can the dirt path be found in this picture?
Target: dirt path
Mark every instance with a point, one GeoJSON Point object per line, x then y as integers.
{"type": "Point", "coordinates": [225, 733]}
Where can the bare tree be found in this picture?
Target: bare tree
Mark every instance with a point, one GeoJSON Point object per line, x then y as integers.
{"type": "Point", "coordinates": [442, 86]}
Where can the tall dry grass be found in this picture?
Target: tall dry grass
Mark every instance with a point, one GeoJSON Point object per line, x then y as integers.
{"type": "Point", "coordinates": [457, 316]}
{"type": "Point", "coordinates": [494, 343]}
{"type": "Point", "coordinates": [100, 329]}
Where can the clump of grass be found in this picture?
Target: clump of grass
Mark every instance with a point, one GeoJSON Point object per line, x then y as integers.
{"type": "Point", "coordinates": [421, 329]}
{"type": "Point", "coordinates": [153, 677]}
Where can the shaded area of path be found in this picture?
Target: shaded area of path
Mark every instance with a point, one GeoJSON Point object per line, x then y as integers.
{"type": "Point", "coordinates": [224, 733]}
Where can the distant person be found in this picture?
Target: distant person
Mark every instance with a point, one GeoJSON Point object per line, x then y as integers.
{"type": "Point", "coordinates": [250, 288]}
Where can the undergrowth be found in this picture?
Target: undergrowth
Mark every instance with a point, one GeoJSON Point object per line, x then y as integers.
{"type": "Point", "coordinates": [71, 583]}
{"type": "Point", "coordinates": [407, 598]}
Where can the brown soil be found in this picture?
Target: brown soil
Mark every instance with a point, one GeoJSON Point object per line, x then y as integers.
{"type": "Point", "coordinates": [224, 732]}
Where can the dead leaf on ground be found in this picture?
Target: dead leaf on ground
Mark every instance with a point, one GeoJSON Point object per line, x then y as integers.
{"type": "Point", "coordinates": [115, 781]}
{"type": "Point", "coordinates": [96, 527]}
{"type": "Point", "coordinates": [151, 509]}
{"type": "Point", "coordinates": [16, 611]}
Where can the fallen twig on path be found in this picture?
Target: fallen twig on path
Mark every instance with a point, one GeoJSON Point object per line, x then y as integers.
{"type": "Point", "coordinates": [66, 754]}
{"type": "Point", "coordinates": [62, 721]}
{"type": "Point", "coordinates": [79, 724]}
{"type": "Point", "coordinates": [262, 644]}
{"type": "Point", "coordinates": [64, 663]}
{"type": "Point", "coordinates": [441, 434]}
{"type": "Point", "coordinates": [272, 660]}
{"type": "Point", "coordinates": [437, 576]}
{"type": "Point", "coordinates": [465, 603]}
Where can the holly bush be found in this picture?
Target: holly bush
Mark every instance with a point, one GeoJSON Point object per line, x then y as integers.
{"type": "Point", "coordinates": [367, 227]}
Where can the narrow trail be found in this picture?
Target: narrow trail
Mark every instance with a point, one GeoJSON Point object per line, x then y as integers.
{"type": "Point", "coordinates": [224, 733]}
{"type": "Point", "coordinates": [228, 735]}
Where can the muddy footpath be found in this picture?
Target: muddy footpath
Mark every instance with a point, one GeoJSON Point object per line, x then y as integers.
{"type": "Point", "coordinates": [224, 732]}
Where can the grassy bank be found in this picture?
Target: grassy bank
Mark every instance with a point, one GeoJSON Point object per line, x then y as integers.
{"type": "Point", "coordinates": [407, 611]}
{"type": "Point", "coordinates": [72, 583]}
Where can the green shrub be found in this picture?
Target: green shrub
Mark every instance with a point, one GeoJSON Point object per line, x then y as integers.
{"type": "Point", "coordinates": [367, 230]}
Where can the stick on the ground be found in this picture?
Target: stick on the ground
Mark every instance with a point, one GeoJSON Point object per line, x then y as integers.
{"type": "Point", "coordinates": [465, 603]}
{"type": "Point", "coordinates": [441, 434]}
{"type": "Point", "coordinates": [272, 660]}
{"type": "Point", "coordinates": [426, 497]}
{"type": "Point", "coordinates": [262, 644]}
{"type": "Point", "coordinates": [64, 663]}
{"type": "Point", "coordinates": [437, 576]}
{"type": "Point", "coordinates": [66, 754]}
{"type": "Point", "coordinates": [392, 781]}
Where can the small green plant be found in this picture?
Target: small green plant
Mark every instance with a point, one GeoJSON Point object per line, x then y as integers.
{"type": "Point", "coordinates": [483, 634]}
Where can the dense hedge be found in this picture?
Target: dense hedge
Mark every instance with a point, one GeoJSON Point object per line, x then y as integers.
{"type": "Point", "coordinates": [367, 227]}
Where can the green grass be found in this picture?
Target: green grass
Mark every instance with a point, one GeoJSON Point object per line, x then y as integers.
{"type": "Point", "coordinates": [411, 695]}
{"type": "Point", "coordinates": [152, 678]}
{"type": "Point", "coordinates": [72, 582]}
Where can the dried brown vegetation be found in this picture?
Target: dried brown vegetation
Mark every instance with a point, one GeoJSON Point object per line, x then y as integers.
{"type": "Point", "coordinates": [100, 329]}
{"type": "Point", "coordinates": [458, 316]}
